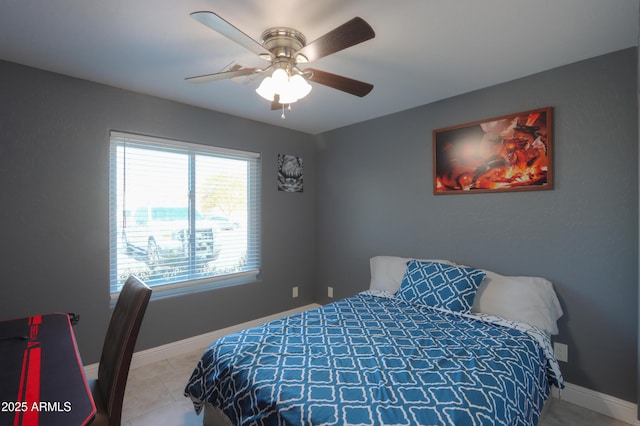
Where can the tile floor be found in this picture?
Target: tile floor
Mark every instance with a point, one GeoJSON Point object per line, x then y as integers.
{"type": "Point", "coordinates": [154, 396]}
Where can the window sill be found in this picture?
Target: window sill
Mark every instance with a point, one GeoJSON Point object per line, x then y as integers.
{"type": "Point", "coordinates": [197, 286]}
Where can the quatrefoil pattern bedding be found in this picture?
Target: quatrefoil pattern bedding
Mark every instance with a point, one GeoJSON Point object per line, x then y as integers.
{"type": "Point", "coordinates": [372, 360]}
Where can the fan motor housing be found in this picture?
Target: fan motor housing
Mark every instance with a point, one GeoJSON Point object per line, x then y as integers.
{"type": "Point", "coordinates": [284, 42]}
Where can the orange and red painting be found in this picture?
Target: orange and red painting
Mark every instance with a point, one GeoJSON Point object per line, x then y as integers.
{"type": "Point", "coordinates": [508, 153]}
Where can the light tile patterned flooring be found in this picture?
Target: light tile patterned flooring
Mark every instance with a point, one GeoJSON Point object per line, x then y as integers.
{"type": "Point", "coordinates": [154, 396]}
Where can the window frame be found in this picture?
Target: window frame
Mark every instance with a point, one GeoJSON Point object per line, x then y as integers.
{"type": "Point", "coordinates": [253, 186]}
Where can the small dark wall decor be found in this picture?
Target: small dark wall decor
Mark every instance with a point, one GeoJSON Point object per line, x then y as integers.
{"type": "Point", "coordinates": [290, 173]}
{"type": "Point", "coordinates": [507, 153]}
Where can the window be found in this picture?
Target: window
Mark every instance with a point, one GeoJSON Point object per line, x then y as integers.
{"type": "Point", "coordinates": [182, 214]}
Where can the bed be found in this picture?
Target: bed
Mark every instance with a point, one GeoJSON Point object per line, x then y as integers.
{"type": "Point", "coordinates": [416, 348]}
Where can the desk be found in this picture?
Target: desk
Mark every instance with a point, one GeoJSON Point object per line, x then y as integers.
{"type": "Point", "coordinates": [42, 381]}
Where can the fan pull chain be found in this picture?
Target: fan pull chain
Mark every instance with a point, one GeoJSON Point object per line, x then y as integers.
{"type": "Point", "coordinates": [288, 109]}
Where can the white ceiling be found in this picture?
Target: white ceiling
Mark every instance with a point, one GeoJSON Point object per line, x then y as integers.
{"type": "Point", "coordinates": [424, 50]}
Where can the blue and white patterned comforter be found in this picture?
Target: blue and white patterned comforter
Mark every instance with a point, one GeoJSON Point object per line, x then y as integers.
{"type": "Point", "coordinates": [378, 360]}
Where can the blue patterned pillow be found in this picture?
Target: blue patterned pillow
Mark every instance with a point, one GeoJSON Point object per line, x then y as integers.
{"type": "Point", "coordinates": [440, 285]}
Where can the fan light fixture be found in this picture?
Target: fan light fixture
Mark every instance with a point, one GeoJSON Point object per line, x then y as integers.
{"type": "Point", "coordinates": [289, 88]}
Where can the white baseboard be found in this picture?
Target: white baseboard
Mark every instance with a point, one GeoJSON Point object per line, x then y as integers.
{"type": "Point", "coordinates": [182, 347]}
{"type": "Point", "coordinates": [599, 402]}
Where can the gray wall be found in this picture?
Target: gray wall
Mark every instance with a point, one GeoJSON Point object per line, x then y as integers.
{"type": "Point", "coordinates": [54, 183]}
{"type": "Point", "coordinates": [375, 198]}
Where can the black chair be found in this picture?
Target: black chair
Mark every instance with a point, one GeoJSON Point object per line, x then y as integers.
{"type": "Point", "coordinates": [120, 340]}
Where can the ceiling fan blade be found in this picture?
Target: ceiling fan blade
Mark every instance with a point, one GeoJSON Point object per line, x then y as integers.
{"type": "Point", "coordinates": [346, 35]}
{"type": "Point", "coordinates": [223, 27]}
{"type": "Point", "coordinates": [222, 75]}
{"type": "Point", "coordinates": [349, 85]}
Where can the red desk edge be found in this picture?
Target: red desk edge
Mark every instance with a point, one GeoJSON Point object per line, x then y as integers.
{"type": "Point", "coordinates": [29, 389]}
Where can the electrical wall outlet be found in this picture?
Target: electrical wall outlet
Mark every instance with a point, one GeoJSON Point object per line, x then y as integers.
{"type": "Point", "coordinates": [295, 292]}
{"type": "Point", "coordinates": [330, 292]}
{"type": "Point", "coordinates": [561, 351]}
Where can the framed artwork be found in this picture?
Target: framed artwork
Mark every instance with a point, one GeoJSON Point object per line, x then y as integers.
{"type": "Point", "coordinates": [507, 153]}
{"type": "Point", "coordinates": [290, 173]}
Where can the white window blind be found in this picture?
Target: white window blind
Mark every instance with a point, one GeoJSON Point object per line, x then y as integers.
{"type": "Point", "coordinates": [182, 214]}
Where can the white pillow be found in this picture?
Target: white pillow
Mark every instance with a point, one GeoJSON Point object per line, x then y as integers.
{"type": "Point", "coordinates": [387, 271]}
{"type": "Point", "coordinates": [525, 299]}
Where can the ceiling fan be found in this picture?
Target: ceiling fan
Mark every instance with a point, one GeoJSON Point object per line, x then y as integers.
{"type": "Point", "coordinates": [286, 48]}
